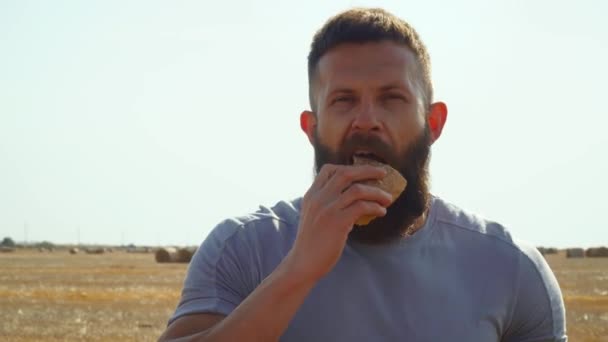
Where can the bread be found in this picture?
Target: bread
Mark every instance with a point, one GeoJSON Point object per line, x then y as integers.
{"type": "Point", "coordinates": [393, 183]}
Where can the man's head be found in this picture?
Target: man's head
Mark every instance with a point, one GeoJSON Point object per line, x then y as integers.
{"type": "Point", "coordinates": [372, 25]}
{"type": "Point", "coordinates": [370, 89]}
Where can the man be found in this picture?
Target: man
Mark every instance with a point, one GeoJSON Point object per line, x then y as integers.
{"type": "Point", "coordinates": [423, 270]}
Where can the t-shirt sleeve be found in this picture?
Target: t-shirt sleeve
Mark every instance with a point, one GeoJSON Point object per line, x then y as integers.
{"type": "Point", "coordinates": [219, 276]}
{"type": "Point", "coordinates": [538, 312]}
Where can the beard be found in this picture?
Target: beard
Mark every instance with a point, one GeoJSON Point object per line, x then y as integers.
{"type": "Point", "coordinates": [413, 166]}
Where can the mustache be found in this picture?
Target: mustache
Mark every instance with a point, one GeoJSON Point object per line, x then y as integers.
{"type": "Point", "coordinates": [369, 142]}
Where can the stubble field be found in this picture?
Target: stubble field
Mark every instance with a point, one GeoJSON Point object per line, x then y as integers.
{"type": "Point", "coordinates": [128, 297]}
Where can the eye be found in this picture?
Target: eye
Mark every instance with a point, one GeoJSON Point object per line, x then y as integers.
{"type": "Point", "coordinates": [344, 99]}
{"type": "Point", "coordinates": [395, 97]}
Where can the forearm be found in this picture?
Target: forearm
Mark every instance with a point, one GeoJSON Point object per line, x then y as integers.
{"type": "Point", "coordinates": [266, 312]}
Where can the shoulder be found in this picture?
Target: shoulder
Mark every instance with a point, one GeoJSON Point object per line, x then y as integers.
{"type": "Point", "coordinates": [537, 307]}
{"type": "Point", "coordinates": [482, 238]}
{"type": "Point", "coordinates": [454, 220]}
{"type": "Point", "coordinates": [267, 223]}
{"type": "Point", "coordinates": [460, 220]}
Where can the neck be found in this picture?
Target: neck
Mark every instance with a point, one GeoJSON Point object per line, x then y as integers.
{"type": "Point", "coordinates": [419, 222]}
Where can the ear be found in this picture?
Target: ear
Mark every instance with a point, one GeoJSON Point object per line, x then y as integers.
{"type": "Point", "coordinates": [437, 117]}
{"type": "Point", "coordinates": [308, 123]}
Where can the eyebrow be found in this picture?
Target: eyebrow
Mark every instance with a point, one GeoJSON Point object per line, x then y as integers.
{"type": "Point", "coordinates": [388, 87]}
{"type": "Point", "coordinates": [341, 90]}
{"type": "Point", "coordinates": [397, 86]}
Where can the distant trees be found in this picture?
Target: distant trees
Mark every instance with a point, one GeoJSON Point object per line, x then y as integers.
{"type": "Point", "coordinates": [8, 242]}
{"type": "Point", "coordinates": [45, 245]}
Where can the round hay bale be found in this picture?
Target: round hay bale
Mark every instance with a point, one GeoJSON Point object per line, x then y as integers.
{"type": "Point", "coordinates": [185, 254]}
{"type": "Point", "coordinates": [547, 250]}
{"type": "Point", "coordinates": [597, 252]}
{"type": "Point", "coordinates": [98, 250]}
{"type": "Point", "coordinates": [74, 250]}
{"type": "Point", "coordinates": [168, 254]}
{"type": "Point", "coordinates": [575, 253]}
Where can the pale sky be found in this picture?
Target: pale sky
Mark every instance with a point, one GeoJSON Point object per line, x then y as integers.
{"type": "Point", "coordinates": [149, 122]}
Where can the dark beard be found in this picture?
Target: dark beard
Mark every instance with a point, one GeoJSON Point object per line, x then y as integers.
{"type": "Point", "coordinates": [412, 164]}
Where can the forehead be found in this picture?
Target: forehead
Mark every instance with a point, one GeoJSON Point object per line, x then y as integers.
{"type": "Point", "coordinates": [369, 64]}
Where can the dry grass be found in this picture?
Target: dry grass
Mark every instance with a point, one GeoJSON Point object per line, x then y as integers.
{"type": "Point", "coordinates": [61, 297]}
{"type": "Point", "coordinates": [128, 296]}
{"type": "Point", "coordinates": [584, 284]}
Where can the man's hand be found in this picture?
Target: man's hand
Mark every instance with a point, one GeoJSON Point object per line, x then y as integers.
{"type": "Point", "coordinates": [329, 210]}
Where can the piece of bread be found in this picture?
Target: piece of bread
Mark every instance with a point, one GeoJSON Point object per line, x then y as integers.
{"type": "Point", "coordinates": [393, 183]}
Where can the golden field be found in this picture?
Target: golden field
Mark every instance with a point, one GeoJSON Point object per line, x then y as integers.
{"type": "Point", "coordinates": [123, 296]}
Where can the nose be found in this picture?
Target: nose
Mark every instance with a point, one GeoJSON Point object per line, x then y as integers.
{"type": "Point", "coordinates": [366, 118]}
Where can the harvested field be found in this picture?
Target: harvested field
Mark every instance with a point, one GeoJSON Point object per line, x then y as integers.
{"type": "Point", "coordinates": [61, 297]}
{"type": "Point", "coordinates": [129, 296]}
{"type": "Point", "coordinates": [584, 284]}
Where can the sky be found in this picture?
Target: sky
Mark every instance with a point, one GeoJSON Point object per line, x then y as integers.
{"type": "Point", "coordinates": [149, 122]}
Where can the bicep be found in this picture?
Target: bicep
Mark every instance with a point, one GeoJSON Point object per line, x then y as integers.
{"type": "Point", "coordinates": [216, 282]}
{"type": "Point", "coordinates": [190, 325]}
{"type": "Point", "coordinates": [539, 313]}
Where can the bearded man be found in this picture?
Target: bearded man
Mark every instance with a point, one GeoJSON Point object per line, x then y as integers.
{"type": "Point", "coordinates": [422, 270]}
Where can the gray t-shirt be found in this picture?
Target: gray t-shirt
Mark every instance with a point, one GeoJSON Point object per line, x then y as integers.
{"type": "Point", "coordinates": [459, 278]}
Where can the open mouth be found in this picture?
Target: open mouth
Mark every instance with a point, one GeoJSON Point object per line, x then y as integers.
{"type": "Point", "coordinates": [366, 155]}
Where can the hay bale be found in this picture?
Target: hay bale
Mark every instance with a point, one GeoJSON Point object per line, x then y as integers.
{"type": "Point", "coordinates": [97, 250]}
{"type": "Point", "coordinates": [166, 254]}
{"type": "Point", "coordinates": [547, 250]}
{"type": "Point", "coordinates": [7, 249]}
{"type": "Point", "coordinates": [185, 254]}
{"type": "Point", "coordinates": [597, 252]}
{"type": "Point", "coordinates": [74, 250]}
{"type": "Point", "coordinates": [575, 253]}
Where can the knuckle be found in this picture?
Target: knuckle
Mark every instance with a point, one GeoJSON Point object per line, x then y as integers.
{"type": "Point", "coordinates": [370, 207]}
{"type": "Point", "coordinates": [328, 168]}
{"type": "Point", "coordinates": [365, 205]}
{"type": "Point", "coordinates": [357, 189]}
{"type": "Point", "coordinates": [346, 175]}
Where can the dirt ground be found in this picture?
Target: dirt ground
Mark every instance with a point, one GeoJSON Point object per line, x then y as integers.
{"type": "Point", "coordinates": [115, 296]}
{"type": "Point", "coordinates": [128, 297]}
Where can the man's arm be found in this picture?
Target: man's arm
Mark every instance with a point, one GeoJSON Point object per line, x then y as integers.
{"type": "Point", "coordinates": [189, 327]}
{"type": "Point", "coordinates": [538, 312]}
{"type": "Point", "coordinates": [329, 209]}
{"type": "Point", "coordinates": [262, 316]}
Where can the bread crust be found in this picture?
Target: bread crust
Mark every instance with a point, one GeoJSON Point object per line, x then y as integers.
{"type": "Point", "coordinates": [393, 183]}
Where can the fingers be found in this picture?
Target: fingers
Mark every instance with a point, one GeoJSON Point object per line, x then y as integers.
{"type": "Point", "coordinates": [358, 191]}
{"type": "Point", "coordinates": [337, 194]}
{"type": "Point", "coordinates": [325, 174]}
{"type": "Point", "coordinates": [362, 208]}
{"type": "Point", "coordinates": [340, 177]}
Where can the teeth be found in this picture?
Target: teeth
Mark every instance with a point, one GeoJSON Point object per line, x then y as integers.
{"type": "Point", "coordinates": [363, 153]}
{"type": "Point", "coordinates": [366, 154]}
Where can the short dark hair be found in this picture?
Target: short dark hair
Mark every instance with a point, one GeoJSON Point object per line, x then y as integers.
{"type": "Point", "coordinates": [365, 25]}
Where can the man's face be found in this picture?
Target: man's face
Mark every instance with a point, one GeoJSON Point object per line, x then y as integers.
{"type": "Point", "coordinates": [368, 100]}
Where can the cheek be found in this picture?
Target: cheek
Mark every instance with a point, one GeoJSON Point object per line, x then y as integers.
{"type": "Point", "coordinates": [405, 129]}
{"type": "Point", "coordinates": [332, 131]}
